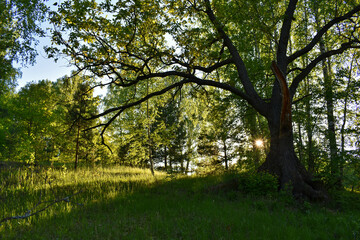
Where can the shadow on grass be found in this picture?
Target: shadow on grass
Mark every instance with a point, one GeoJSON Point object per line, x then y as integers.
{"type": "Point", "coordinates": [181, 208]}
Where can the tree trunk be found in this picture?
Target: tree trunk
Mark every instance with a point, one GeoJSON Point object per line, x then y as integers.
{"type": "Point", "coordinates": [149, 133]}
{"type": "Point", "coordinates": [77, 147]}
{"type": "Point", "coordinates": [281, 159]}
{"type": "Point", "coordinates": [187, 166]}
{"type": "Point", "coordinates": [300, 141]}
{"type": "Point", "coordinates": [342, 131]}
{"type": "Point", "coordinates": [309, 118]}
{"type": "Point", "coordinates": [165, 158]}
{"type": "Point", "coordinates": [283, 162]}
{"type": "Point", "coordinates": [225, 156]}
{"type": "Point", "coordinates": [331, 135]}
{"type": "Point", "coordinates": [182, 169]}
{"type": "Point", "coordinates": [310, 145]}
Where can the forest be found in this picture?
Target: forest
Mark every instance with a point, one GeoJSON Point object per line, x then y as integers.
{"type": "Point", "coordinates": [209, 112]}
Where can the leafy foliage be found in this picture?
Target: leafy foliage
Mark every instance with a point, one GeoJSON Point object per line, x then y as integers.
{"type": "Point", "coordinates": [19, 24]}
{"type": "Point", "coordinates": [179, 75]}
{"type": "Point", "coordinates": [258, 183]}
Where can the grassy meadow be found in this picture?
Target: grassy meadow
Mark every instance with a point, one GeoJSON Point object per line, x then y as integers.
{"type": "Point", "coordinates": [115, 202]}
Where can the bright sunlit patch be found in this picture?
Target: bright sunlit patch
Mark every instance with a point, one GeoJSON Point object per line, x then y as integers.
{"type": "Point", "coordinates": [259, 143]}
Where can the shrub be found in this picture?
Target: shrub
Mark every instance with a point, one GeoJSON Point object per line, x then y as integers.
{"type": "Point", "coordinates": [257, 183]}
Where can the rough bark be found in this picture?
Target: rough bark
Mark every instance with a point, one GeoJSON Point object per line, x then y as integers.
{"type": "Point", "coordinates": [282, 160]}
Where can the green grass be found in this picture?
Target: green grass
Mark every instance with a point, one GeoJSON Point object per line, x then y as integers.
{"type": "Point", "coordinates": [126, 203]}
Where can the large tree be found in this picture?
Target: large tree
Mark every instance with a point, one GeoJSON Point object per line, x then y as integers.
{"type": "Point", "coordinates": [208, 43]}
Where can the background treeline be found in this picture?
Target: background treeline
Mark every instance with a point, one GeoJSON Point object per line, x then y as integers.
{"type": "Point", "coordinates": [45, 121]}
{"type": "Point", "coordinates": [198, 129]}
{"type": "Point", "coordinates": [193, 128]}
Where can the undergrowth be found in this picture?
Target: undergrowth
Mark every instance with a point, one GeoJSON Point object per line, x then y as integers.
{"type": "Point", "coordinates": [127, 203]}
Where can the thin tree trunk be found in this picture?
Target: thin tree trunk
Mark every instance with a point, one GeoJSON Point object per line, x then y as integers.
{"type": "Point", "coordinates": [342, 131]}
{"type": "Point", "coordinates": [165, 158]}
{"type": "Point", "coordinates": [149, 132]}
{"type": "Point", "coordinates": [187, 165]}
{"type": "Point", "coordinates": [225, 156]}
{"type": "Point", "coordinates": [309, 131]}
{"type": "Point", "coordinates": [309, 118]}
{"type": "Point", "coordinates": [300, 141]}
{"type": "Point", "coordinates": [331, 135]}
{"type": "Point", "coordinates": [77, 147]}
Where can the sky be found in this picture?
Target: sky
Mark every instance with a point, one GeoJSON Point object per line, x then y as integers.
{"type": "Point", "coordinates": [44, 68]}
{"type": "Point", "coordinates": [47, 69]}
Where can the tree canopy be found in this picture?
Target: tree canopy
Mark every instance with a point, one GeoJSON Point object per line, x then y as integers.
{"type": "Point", "coordinates": [193, 85]}
{"type": "Point", "coordinates": [170, 44]}
{"type": "Point", "coordinates": [19, 25]}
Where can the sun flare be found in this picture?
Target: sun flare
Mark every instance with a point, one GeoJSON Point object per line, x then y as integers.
{"type": "Point", "coordinates": [259, 143]}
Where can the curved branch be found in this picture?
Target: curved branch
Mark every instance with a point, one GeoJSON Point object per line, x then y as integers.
{"type": "Point", "coordinates": [35, 210]}
{"type": "Point", "coordinates": [321, 32]}
{"type": "Point", "coordinates": [312, 64]}
{"type": "Point", "coordinates": [205, 69]}
{"type": "Point", "coordinates": [285, 116]}
{"type": "Point", "coordinates": [101, 85]}
{"type": "Point", "coordinates": [285, 36]}
{"type": "Point", "coordinates": [255, 100]}
{"type": "Point", "coordinates": [188, 78]}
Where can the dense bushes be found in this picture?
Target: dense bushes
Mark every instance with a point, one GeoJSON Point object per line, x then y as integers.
{"type": "Point", "coordinates": [257, 183]}
{"type": "Point", "coordinates": [250, 183]}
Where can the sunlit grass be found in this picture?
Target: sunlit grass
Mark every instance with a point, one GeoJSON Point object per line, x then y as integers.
{"type": "Point", "coordinates": [128, 203]}
{"type": "Point", "coordinates": [22, 189]}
